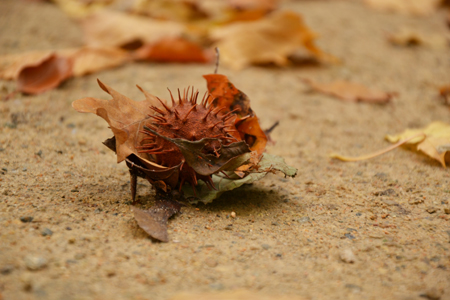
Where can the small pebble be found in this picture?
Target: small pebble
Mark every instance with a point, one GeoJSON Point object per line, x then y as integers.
{"type": "Point", "coordinates": [433, 294]}
{"type": "Point", "coordinates": [26, 219]}
{"type": "Point", "coordinates": [6, 269]}
{"type": "Point", "coordinates": [431, 210]}
{"type": "Point", "coordinates": [233, 214]}
{"type": "Point", "coordinates": [304, 220]}
{"type": "Point", "coordinates": [46, 232]}
{"type": "Point", "coordinates": [265, 246]}
{"type": "Point", "coordinates": [79, 256]}
{"type": "Point", "coordinates": [210, 262]}
{"type": "Point", "coordinates": [447, 210]}
{"type": "Point", "coordinates": [346, 255]}
{"type": "Point", "coordinates": [349, 236]}
{"type": "Point", "coordinates": [68, 228]}
{"type": "Point", "coordinates": [216, 286]}
{"type": "Point", "coordinates": [35, 263]}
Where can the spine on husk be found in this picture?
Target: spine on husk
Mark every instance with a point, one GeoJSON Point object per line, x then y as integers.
{"type": "Point", "coordinates": [192, 121]}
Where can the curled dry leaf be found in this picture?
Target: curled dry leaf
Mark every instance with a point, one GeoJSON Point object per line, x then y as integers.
{"type": "Point", "coordinates": [40, 71]}
{"type": "Point", "coordinates": [44, 75]}
{"type": "Point", "coordinates": [351, 92]}
{"type": "Point", "coordinates": [269, 40]}
{"type": "Point", "coordinates": [433, 140]}
{"type": "Point", "coordinates": [125, 117]}
{"type": "Point", "coordinates": [175, 49]}
{"type": "Point", "coordinates": [410, 7]}
{"type": "Point", "coordinates": [114, 29]}
{"type": "Point", "coordinates": [227, 96]}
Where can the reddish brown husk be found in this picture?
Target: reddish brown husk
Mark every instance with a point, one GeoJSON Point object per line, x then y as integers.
{"type": "Point", "coordinates": [191, 121]}
{"type": "Point", "coordinates": [225, 94]}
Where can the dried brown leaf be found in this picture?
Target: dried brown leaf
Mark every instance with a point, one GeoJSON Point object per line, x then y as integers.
{"type": "Point", "coordinates": [12, 64]}
{"type": "Point", "coordinates": [114, 29]}
{"type": "Point", "coordinates": [89, 60]}
{"type": "Point", "coordinates": [154, 220]}
{"type": "Point", "coordinates": [351, 92]}
{"type": "Point", "coordinates": [39, 71]}
{"type": "Point", "coordinates": [45, 75]}
{"type": "Point", "coordinates": [125, 117]}
{"type": "Point", "coordinates": [269, 40]}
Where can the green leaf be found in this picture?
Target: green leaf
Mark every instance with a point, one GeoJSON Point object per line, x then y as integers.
{"type": "Point", "coordinates": [268, 163]}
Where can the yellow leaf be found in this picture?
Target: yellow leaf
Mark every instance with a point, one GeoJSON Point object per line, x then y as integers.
{"type": "Point", "coordinates": [435, 144]}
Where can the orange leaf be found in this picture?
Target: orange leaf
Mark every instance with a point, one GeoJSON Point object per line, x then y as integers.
{"type": "Point", "coordinates": [44, 75]}
{"type": "Point", "coordinates": [225, 94]}
{"type": "Point", "coordinates": [175, 49]}
{"type": "Point", "coordinates": [351, 92]}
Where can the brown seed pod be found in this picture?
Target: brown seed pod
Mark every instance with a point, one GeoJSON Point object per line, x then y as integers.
{"type": "Point", "coordinates": [192, 121]}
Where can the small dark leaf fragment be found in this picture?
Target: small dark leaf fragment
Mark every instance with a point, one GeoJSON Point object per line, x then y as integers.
{"type": "Point", "coordinates": [154, 220]}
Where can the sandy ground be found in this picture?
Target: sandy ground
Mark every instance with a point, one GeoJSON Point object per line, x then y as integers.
{"type": "Point", "coordinates": [294, 237]}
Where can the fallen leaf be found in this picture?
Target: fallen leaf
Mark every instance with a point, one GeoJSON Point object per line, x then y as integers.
{"type": "Point", "coordinates": [269, 40]}
{"type": "Point", "coordinates": [433, 140]}
{"type": "Point", "coordinates": [434, 143]}
{"type": "Point", "coordinates": [409, 37]}
{"type": "Point", "coordinates": [12, 64]}
{"type": "Point", "coordinates": [114, 29]}
{"type": "Point", "coordinates": [268, 163]}
{"type": "Point", "coordinates": [154, 220]}
{"type": "Point", "coordinates": [88, 60]}
{"type": "Point", "coordinates": [410, 7]}
{"type": "Point", "coordinates": [225, 94]}
{"type": "Point", "coordinates": [44, 75]}
{"type": "Point", "coordinates": [175, 10]}
{"type": "Point", "coordinates": [351, 92]}
{"type": "Point", "coordinates": [267, 5]}
{"type": "Point", "coordinates": [175, 49]}
{"type": "Point", "coordinates": [124, 116]}
{"type": "Point", "coordinates": [81, 8]}
{"type": "Point", "coordinates": [39, 71]}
